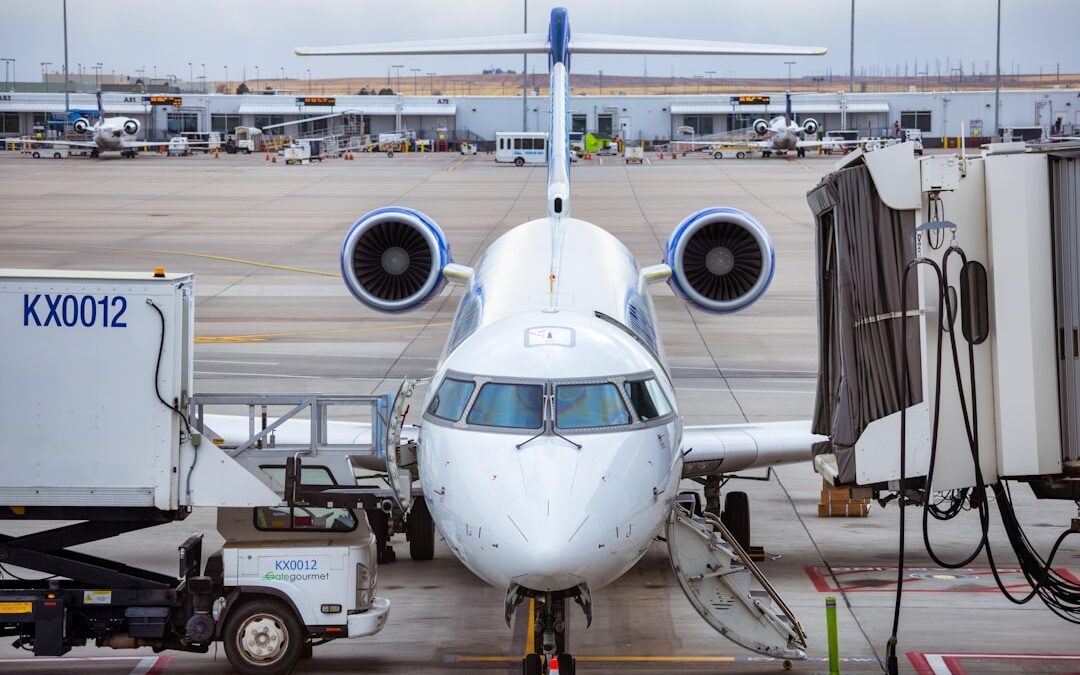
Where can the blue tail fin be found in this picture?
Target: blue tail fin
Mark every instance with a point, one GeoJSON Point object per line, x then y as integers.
{"type": "Point", "coordinates": [100, 107]}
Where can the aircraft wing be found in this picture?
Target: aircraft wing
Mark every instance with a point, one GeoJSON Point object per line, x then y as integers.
{"type": "Point", "coordinates": [580, 43]}
{"type": "Point", "coordinates": [727, 448]}
{"type": "Point", "coordinates": [35, 141]}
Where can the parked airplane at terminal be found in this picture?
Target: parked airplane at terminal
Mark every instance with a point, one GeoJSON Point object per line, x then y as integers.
{"type": "Point", "coordinates": [551, 445]}
{"type": "Point", "coordinates": [116, 134]}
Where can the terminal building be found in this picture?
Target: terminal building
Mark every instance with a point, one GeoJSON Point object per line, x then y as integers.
{"type": "Point", "coordinates": [654, 118]}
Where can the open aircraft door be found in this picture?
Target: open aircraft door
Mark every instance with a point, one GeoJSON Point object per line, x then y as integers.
{"type": "Point", "coordinates": [399, 457]}
{"type": "Point", "coordinates": [718, 578]}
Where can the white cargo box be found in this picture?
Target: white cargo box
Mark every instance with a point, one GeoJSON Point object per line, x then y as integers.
{"type": "Point", "coordinates": [81, 422]}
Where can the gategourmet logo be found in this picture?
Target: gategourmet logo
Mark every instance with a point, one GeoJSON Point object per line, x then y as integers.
{"type": "Point", "coordinates": [296, 576]}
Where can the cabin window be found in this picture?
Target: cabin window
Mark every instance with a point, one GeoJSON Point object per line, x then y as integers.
{"type": "Point", "coordinates": [647, 399]}
{"type": "Point", "coordinates": [538, 143]}
{"type": "Point", "coordinates": [450, 401]}
{"type": "Point", "coordinates": [511, 406]}
{"type": "Point", "coordinates": [580, 406]}
{"type": "Point", "coordinates": [517, 143]}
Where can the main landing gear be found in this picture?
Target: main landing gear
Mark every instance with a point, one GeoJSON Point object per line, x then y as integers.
{"type": "Point", "coordinates": [550, 634]}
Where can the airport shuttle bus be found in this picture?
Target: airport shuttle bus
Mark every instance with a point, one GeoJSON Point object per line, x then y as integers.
{"type": "Point", "coordinates": [521, 147]}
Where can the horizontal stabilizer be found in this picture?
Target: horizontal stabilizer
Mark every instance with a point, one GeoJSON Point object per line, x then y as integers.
{"type": "Point", "coordinates": [526, 43]}
{"type": "Point", "coordinates": [580, 43]}
{"type": "Point", "coordinates": [594, 43]}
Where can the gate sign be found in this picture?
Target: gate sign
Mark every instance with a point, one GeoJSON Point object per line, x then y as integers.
{"type": "Point", "coordinates": [164, 100]}
{"type": "Point", "coordinates": [315, 100]}
{"type": "Point", "coordinates": [750, 100]}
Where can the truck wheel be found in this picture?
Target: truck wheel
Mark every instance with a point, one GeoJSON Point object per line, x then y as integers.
{"type": "Point", "coordinates": [740, 155]}
{"type": "Point", "coordinates": [35, 154]}
{"type": "Point", "coordinates": [519, 161]}
{"type": "Point", "coordinates": [718, 155]}
{"type": "Point", "coordinates": [736, 517]}
{"type": "Point", "coordinates": [421, 532]}
{"type": "Point", "coordinates": [263, 636]}
{"type": "Point", "coordinates": [56, 155]}
{"type": "Point", "coordinates": [390, 154]}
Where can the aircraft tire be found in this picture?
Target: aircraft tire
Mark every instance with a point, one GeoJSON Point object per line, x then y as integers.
{"type": "Point", "coordinates": [421, 532]}
{"type": "Point", "coordinates": [566, 664]}
{"type": "Point", "coordinates": [736, 517]}
{"type": "Point", "coordinates": [532, 665]}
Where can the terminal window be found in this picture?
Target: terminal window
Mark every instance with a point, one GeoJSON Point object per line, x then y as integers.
{"type": "Point", "coordinates": [224, 123]}
{"type": "Point", "coordinates": [701, 124]}
{"type": "Point", "coordinates": [915, 119]}
{"type": "Point", "coordinates": [9, 123]}
{"type": "Point", "coordinates": [183, 122]}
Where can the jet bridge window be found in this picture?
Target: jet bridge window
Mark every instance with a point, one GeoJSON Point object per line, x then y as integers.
{"type": "Point", "coordinates": [581, 406]}
{"type": "Point", "coordinates": [307, 518]}
{"type": "Point", "coordinates": [450, 401]}
{"type": "Point", "coordinates": [647, 399]}
{"type": "Point", "coordinates": [511, 406]}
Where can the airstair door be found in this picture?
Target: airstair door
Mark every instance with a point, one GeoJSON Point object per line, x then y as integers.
{"type": "Point", "coordinates": [400, 480]}
{"type": "Point", "coordinates": [727, 588]}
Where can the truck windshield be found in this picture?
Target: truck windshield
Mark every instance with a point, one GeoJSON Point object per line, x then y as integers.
{"type": "Point", "coordinates": [450, 401]}
{"type": "Point", "coordinates": [580, 406]}
{"type": "Point", "coordinates": [512, 406]}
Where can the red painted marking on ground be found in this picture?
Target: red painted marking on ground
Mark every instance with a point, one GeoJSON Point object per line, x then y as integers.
{"type": "Point", "coordinates": [883, 579]}
{"type": "Point", "coordinates": [920, 661]}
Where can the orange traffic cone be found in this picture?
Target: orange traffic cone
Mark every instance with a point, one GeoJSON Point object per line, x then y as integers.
{"type": "Point", "coordinates": [268, 156]}
{"type": "Point", "coordinates": [553, 667]}
{"type": "Point", "coordinates": [661, 154]}
{"type": "Point", "coordinates": [273, 160]}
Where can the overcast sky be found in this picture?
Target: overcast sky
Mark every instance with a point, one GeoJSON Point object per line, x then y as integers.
{"type": "Point", "coordinates": [126, 35]}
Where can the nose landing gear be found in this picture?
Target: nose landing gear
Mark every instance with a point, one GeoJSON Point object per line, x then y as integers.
{"type": "Point", "coordinates": [550, 626]}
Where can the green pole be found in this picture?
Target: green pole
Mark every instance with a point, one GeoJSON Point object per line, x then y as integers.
{"type": "Point", "coordinates": [834, 642]}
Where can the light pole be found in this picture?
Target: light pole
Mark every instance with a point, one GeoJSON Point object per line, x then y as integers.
{"type": "Point", "coordinates": [141, 72]}
{"type": "Point", "coordinates": [697, 84]}
{"type": "Point", "coordinates": [8, 84]}
{"type": "Point", "coordinates": [414, 83]}
{"type": "Point", "coordinates": [997, 73]}
{"type": "Point", "coordinates": [397, 87]}
{"type": "Point", "coordinates": [226, 79]}
{"type": "Point", "coordinates": [282, 77]}
{"type": "Point", "coordinates": [45, 73]}
{"type": "Point", "coordinates": [710, 73]}
{"type": "Point", "coordinates": [257, 85]}
{"type": "Point", "coordinates": [601, 83]}
{"type": "Point", "coordinates": [203, 77]}
{"type": "Point", "coordinates": [525, 71]}
{"type": "Point", "coordinates": [431, 83]}
{"type": "Point", "coordinates": [309, 85]}
{"type": "Point", "coordinates": [851, 52]}
{"type": "Point", "coordinates": [67, 76]}
{"type": "Point", "coordinates": [190, 77]}
{"type": "Point", "coordinates": [97, 74]}
{"type": "Point", "coordinates": [789, 64]}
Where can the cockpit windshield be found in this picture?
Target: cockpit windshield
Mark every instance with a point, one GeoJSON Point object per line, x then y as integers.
{"type": "Point", "coordinates": [580, 406]}
{"type": "Point", "coordinates": [515, 406]}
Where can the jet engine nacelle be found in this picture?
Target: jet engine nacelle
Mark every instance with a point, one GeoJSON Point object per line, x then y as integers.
{"type": "Point", "coordinates": [722, 259]}
{"type": "Point", "coordinates": [392, 259]}
{"type": "Point", "coordinates": [80, 125]}
{"type": "Point", "coordinates": [810, 126]}
{"type": "Point", "coordinates": [761, 127]}
{"type": "Point", "coordinates": [131, 127]}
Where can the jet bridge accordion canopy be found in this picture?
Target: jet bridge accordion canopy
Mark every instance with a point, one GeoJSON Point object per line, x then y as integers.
{"type": "Point", "coordinates": [862, 249]}
{"type": "Point", "coordinates": [1065, 228]}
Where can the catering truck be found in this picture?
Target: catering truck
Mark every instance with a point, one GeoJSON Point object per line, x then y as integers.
{"type": "Point", "coordinates": [101, 427]}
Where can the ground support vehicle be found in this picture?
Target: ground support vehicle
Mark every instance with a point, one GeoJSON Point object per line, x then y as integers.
{"type": "Point", "coordinates": [137, 450]}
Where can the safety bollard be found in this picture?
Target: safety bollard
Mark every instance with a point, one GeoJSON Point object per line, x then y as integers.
{"type": "Point", "coordinates": [834, 641]}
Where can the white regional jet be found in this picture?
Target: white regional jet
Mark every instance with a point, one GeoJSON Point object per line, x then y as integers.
{"type": "Point", "coordinates": [107, 134]}
{"type": "Point", "coordinates": [783, 133]}
{"type": "Point", "coordinates": [551, 445]}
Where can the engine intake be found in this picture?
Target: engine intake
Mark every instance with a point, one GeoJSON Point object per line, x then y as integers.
{"type": "Point", "coordinates": [131, 127]}
{"type": "Point", "coordinates": [80, 125]}
{"type": "Point", "coordinates": [392, 259]}
{"type": "Point", "coordinates": [722, 259]}
{"type": "Point", "coordinates": [761, 127]}
{"type": "Point", "coordinates": [810, 126]}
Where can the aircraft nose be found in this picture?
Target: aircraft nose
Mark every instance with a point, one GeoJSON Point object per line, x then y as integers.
{"type": "Point", "coordinates": [556, 535]}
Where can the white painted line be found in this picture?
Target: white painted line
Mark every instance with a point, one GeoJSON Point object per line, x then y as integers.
{"type": "Point", "coordinates": [144, 666]}
{"type": "Point", "coordinates": [73, 659]}
{"type": "Point", "coordinates": [282, 375]}
{"type": "Point", "coordinates": [937, 664]}
{"type": "Point", "coordinates": [746, 391]}
{"type": "Point", "coordinates": [242, 363]}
